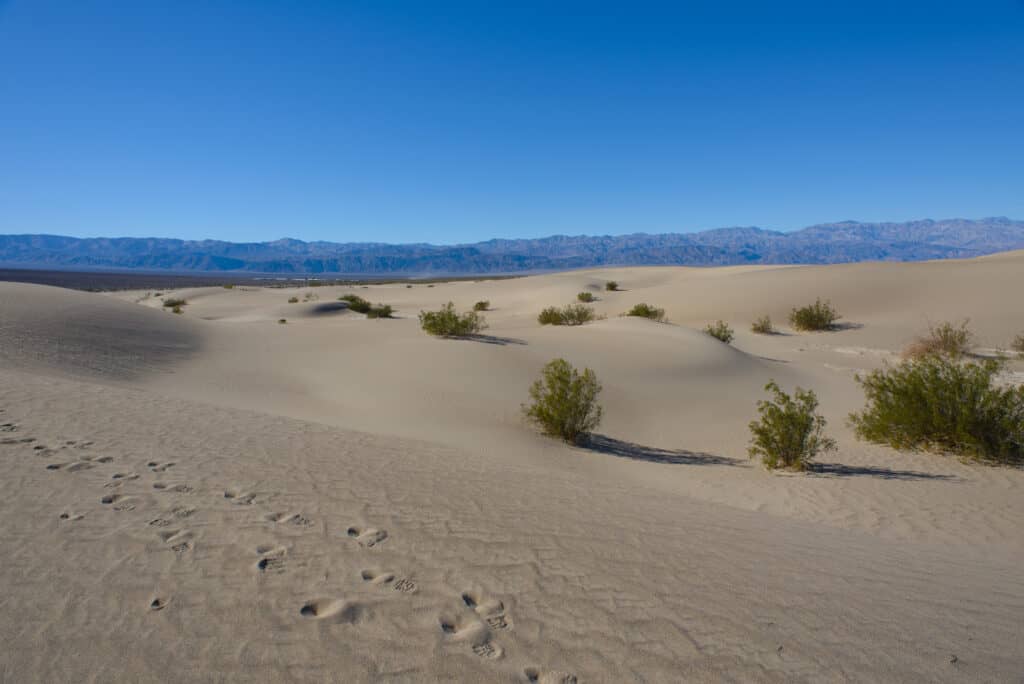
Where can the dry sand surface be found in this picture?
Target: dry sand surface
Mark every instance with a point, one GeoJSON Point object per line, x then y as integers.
{"type": "Point", "coordinates": [217, 497]}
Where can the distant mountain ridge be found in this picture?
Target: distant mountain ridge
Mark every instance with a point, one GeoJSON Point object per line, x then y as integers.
{"type": "Point", "coordinates": [829, 243]}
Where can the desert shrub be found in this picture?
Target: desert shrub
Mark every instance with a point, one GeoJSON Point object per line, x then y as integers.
{"type": "Point", "coordinates": [177, 310]}
{"type": "Point", "coordinates": [763, 326]}
{"type": "Point", "coordinates": [789, 434]}
{"type": "Point", "coordinates": [293, 300]}
{"type": "Point", "coordinates": [611, 286]}
{"type": "Point", "coordinates": [356, 303]}
{"type": "Point", "coordinates": [564, 401]}
{"type": "Point", "coordinates": [1018, 344]}
{"type": "Point", "coordinates": [586, 297]}
{"type": "Point", "coordinates": [818, 316]}
{"type": "Point", "coordinates": [944, 339]}
{"type": "Point", "coordinates": [172, 303]}
{"type": "Point", "coordinates": [282, 321]}
{"type": "Point", "coordinates": [936, 403]}
{"type": "Point", "coordinates": [573, 314]}
{"type": "Point", "coordinates": [380, 311]}
{"type": "Point", "coordinates": [310, 297]}
{"type": "Point", "coordinates": [482, 305]}
{"type": "Point", "coordinates": [408, 287]}
{"type": "Point", "coordinates": [720, 330]}
{"type": "Point", "coordinates": [447, 322]}
{"type": "Point", "coordinates": [229, 286]}
{"type": "Point", "coordinates": [647, 311]}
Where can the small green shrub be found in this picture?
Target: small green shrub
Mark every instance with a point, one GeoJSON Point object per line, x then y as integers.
{"type": "Point", "coordinates": [647, 311]}
{"type": "Point", "coordinates": [789, 433]}
{"type": "Point", "coordinates": [763, 326]}
{"type": "Point", "coordinates": [446, 322]}
{"type": "Point", "coordinates": [360, 305]}
{"type": "Point", "coordinates": [482, 305]}
{"type": "Point", "coordinates": [944, 339]}
{"type": "Point", "coordinates": [573, 314]}
{"type": "Point", "coordinates": [282, 321]}
{"type": "Point", "coordinates": [380, 311]}
{"type": "Point", "coordinates": [408, 287]}
{"type": "Point", "coordinates": [293, 300]}
{"type": "Point", "coordinates": [229, 286]}
{"type": "Point", "coordinates": [720, 330]}
{"type": "Point", "coordinates": [611, 286]}
{"type": "Point", "coordinates": [564, 401]}
{"type": "Point", "coordinates": [177, 310]}
{"type": "Point", "coordinates": [586, 297]}
{"type": "Point", "coordinates": [818, 316]}
{"type": "Point", "coordinates": [174, 303]}
{"type": "Point", "coordinates": [936, 403]}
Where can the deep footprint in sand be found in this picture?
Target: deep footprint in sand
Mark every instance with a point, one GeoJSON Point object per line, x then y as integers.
{"type": "Point", "coordinates": [535, 676]}
{"type": "Point", "coordinates": [296, 519]}
{"type": "Point", "coordinates": [9, 427]}
{"type": "Point", "coordinates": [336, 610]}
{"type": "Point", "coordinates": [273, 558]}
{"type": "Point", "coordinates": [70, 517]}
{"type": "Point", "coordinates": [158, 603]}
{"type": "Point", "coordinates": [367, 537]}
{"type": "Point", "coordinates": [118, 502]}
{"type": "Point", "coordinates": [70, 467]}
{"type": "Point", "coordinates": [159, 467]}
{"type": "Point", "coordinates": [239, 498]}
{"type": "Point", "coordinates": [490, 611]}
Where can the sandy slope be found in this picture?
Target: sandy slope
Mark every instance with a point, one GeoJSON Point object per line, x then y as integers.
{"type": "Point", "coordinates": [351, 500]}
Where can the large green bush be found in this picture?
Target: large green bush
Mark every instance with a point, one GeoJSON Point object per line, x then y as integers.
{"type": "Point", "coordinates": [572, 314]}
{"type": "Point", "coordinates": [936, 403]}
{"type": "Point", "coordinates": [647, 311]}
{"type": "Point", "coordinates": [447, 322]}
{"type": "Point", "coordinates": [564, 401]}
{"type": "Point", "coordinates": [789, 434]}
{"type": "Point", "coordinates": [818, 316]}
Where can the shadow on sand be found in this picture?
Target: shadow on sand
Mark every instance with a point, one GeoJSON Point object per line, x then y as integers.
{"type": "Point", "coordinates": [603, 444]}
{"type": "Point", "coordinates": [840, 470]}
{"type": "Point", "coordinates": [491, 339]}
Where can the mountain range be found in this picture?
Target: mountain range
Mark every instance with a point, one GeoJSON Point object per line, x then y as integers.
{"type": "Point", "coordinates": [829, 243]}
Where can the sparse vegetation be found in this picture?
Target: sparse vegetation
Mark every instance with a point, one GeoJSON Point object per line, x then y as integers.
{"type": "Point", "coordinates": [282, 320]}
{"type": "Point", "coordinates": [572, 314]}
{"type": "Point", "coordinates": [814, 317]}
{"type": "Point", "coordinates": [408, 287]}
{"type": "Point", "coordinates": [482, 305]}
{"type": "Point", "coordinates": [564, 401]}
{"type": "Point", "coordinates": [763, 326]}
{"type": "Point", "coordinates": [293, 300]}
{"type": "Point", "coordinates": [937, 403]}
{"type": "Point", "coordinates": [360, 305]}
{"type": "Point", "coordinates": [177, 310]}
{"type": "Point", "coordinates": [944, 339]}
{"type": "Point", "coordinates": [447, 322]}
{"type": "Point", "coordinates": [586, 297]}
{"type": "Point", "coordinates": [310, 297]}
{"type": "Point", "coordinates": [174, 303]}
{"type": "Point", "coordinates": [647, 311]}
{"type": "Point", "coordinates": [789, 434]}
{"type": "Point", "coordinates": [611, 286]}
{"type": "Point", "coordinates": [1018, 345]}
{"type": "Point", "coordinates": [229, 286]}
{"type": "Point", "coordinates": [720, 330]}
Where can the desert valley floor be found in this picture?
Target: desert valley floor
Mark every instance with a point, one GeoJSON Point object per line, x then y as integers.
{"type": "Point", "coordinates": [218, 497]}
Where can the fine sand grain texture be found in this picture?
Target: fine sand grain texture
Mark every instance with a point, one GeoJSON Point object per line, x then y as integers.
{"type": "Point", "coordinates": [216, 497]}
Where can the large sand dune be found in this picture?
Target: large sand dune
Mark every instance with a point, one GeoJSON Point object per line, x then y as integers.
{"type": "Point", "coordinates": [219, 497]}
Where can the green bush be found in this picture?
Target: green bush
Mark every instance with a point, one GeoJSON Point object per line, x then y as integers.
{"type": "Point", "coordinates": [177, 310]}
{"type": "Point", "coordinates": [360, 305]}
{"type": "Point", "coordinates": [763, 326]}
{"type": "Point", "coordinates": [174, 303]}
{"type": "Point", "coordinates": [573, 314]}
{"type": "Point", "coordinates": [789, 433]}
{"type": "Point", "coordinates": [936, 403]}
{"type": "Point", "coordinates": [611, 286]}
{"type": "Point", "coordinates": [564, 401]}
{"type": "Point", "coordinates": [446, 322]}
{"type": "Point", "coordinates": [586, 297]}
{"type": "Point", "coordinates": [380, 311]}
{"type": "Point", "coordinates": [293, 300]}
{"type": "Point", "coordinates": [818, 316]}
{"type": "Point", "coordinates": [647, 311]}
{"type": "Point", "coordinates": [720, 330]}
{"type": "Point", "coordinates": [944, 339]}
{"type": "Point", "coordinates": [482, 305]}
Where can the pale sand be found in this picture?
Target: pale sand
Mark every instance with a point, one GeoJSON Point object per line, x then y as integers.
{"type": "Point", "coordinates": [341, 499]}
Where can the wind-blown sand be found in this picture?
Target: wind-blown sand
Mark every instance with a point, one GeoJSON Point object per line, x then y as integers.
{"type": "Point", "coordinates": [218, 497]}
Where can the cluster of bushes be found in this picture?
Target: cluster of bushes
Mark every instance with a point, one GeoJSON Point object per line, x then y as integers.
{"type": "Point", "coordinates": [360, 305]}
{"type": "Point", "coordinates": [586, 297]}
{"type": "Point", "coordinates": [720, 330]}
{"type": "Point", "coordinates": [447, 322]}
{"type": "Point", "coordinates": [647, 311]}
{"type": "Point", "coordinates": [818, 316]}
{"type": "Point", "coordinates": [572, 314]}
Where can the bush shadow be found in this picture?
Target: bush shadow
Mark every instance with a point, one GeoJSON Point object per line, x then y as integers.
{"type": "Point", "coordinates": [603, 444]}
{"type": "Point", "coordinates": [840, 470]}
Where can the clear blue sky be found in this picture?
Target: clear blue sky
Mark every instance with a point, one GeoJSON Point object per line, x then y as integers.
{"type": "Point", "coordinates": [459, 121]}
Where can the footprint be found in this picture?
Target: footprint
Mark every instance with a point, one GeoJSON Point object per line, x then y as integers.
{"type": "Point", "coordinates": [337, 610]}
{"type": "Point", "coordinates": [159, 468]}
{"type": "Point", "coordinates": [70, 467]}
{"type": "Point", "coordinates": [71, 517]}
{"type": "Point", "coordinates": [552, 677]}
{"type": "Point", "coordinates": [9, 427]}
{"type": "Point", "coordinates": [158, 603]}
{"type": "Point", "coordinates": [180, 542]}
{"type": "Point", "coordinates": [182, 511]}
{"type": "Point", "coordinates": [104, 459]}
{"type": "Point", "coordinates": [177, 489]}
{"type": "Point", "coordinates": [375, 577]}
{"type": "Point", "coordinates": [119, 502]}
{"type": "Point", "coordinates": [159, 522]}
{"type": "Point", "coordinates": [490, 611]}
{"type": "Point", "coordinates": [16, 440]}
{"type": "Point", "coordinates": [368, 537]}
{"type": "Point", "coordinates": [239, 498]}
{"type": "Point", "coordinates": [405, 585]}
{"type": "Point", "coordinates": [124, 476]}
{"type": "Point", "coordinates": [488, 649]}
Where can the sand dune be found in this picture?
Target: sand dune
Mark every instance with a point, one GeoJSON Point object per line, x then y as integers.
{"type": "Point", "coordinates": [214, 496]}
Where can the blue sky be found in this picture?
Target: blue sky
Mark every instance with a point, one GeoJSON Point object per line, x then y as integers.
{"type": "Point", "coordinates": [460, 121]}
